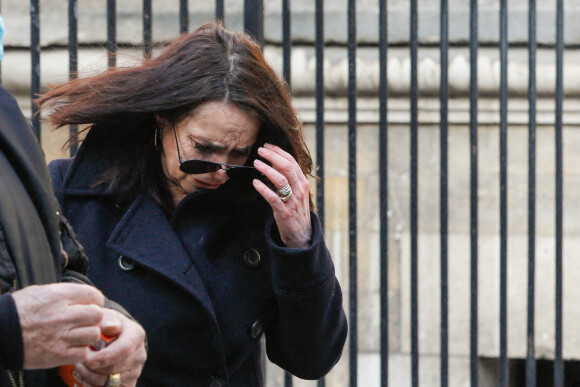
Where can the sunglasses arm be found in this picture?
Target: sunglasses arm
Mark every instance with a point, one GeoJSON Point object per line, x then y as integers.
{"type": "Point", "coordinates": [177, 144]}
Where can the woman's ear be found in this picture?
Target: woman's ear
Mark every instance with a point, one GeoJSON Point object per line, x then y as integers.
{"type": "Point", "coordinates": [161, 122]}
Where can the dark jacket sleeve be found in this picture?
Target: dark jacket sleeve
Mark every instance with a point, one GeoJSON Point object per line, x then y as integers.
{"type": "Point", "coordinates": [308, 338]}
{"type": "Point", "coordinates": [11, 350]}
{"type": "Point", "coordinates": [24, 155]}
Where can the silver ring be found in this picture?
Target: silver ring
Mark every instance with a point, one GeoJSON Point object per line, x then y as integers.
{"type": "Point", "coordinates": [285, 198]}
{"type": "Point", "coordinates": [284, 191]}
{"type": "Point", "coordinates": [114, 380]}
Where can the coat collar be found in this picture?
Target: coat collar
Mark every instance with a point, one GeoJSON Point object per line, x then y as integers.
{"type": "Point", "coordinates": [85, 171]}
{"type": "Point", "coordinates": [145, 235]}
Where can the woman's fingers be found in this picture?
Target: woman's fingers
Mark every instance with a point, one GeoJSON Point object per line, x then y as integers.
{"type": "Point", "coordinates": [270, 196]}
{"type": "Point", "coordinates": [278, 179]}
{"type": "Point", "coordinates": [286, 170]}
{"type": "Point", "coordinates": [291, 209]}
{"type": "Point", "coordinates": [301, 178]}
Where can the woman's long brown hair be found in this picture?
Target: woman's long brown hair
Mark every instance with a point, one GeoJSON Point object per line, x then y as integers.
{"type": "Point", "coordinates": [209, 64]}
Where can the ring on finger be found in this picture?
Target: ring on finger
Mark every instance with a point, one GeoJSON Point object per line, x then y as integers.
{"type": "Point", "coordinates": [114, 380]}
{"type": "Point", "coordinates": [286, 198]}
{"type": "Point", "coordinates": [284, 193]}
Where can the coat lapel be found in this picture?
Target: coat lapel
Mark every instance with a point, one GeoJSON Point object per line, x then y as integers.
{"type": "Point", "coordinates": [145, 235]}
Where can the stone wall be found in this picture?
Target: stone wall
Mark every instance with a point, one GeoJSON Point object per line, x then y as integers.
{"type": "Point", "coordinates": [92, 58]}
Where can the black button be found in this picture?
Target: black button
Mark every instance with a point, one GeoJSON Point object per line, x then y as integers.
{"type": "Point", "coordinates": [125, 263]}
{"type": "Point", "coordinates": [252, 258]}
{"type": "Point", "coordinates": [256, 329]}
{"type": "Point", "coordinates": [217, 382]}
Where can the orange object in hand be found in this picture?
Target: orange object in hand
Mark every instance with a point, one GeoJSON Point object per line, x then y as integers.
{"type": "Point", "coordinates": [66, 371]}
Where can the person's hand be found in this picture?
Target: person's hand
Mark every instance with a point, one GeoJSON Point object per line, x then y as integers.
{"type": "Point", "coordinates": [125, 355]}
{"type": "Point", "coordinates": [58, 323]}
{"type": "Point", "coordinates": [293, 215]}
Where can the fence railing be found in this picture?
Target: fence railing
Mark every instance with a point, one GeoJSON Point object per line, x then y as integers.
{"type": "Point", "coordinates": [254, 24]}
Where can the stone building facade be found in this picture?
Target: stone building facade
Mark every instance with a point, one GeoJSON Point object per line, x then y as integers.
{"type": "Point", "coordinates": [92, 58]}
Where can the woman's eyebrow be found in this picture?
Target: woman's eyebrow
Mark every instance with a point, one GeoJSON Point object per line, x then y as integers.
{"type": "Point", "coordinates": [218, 146]}
{"type": "Point", "coordinates": [206, 142]}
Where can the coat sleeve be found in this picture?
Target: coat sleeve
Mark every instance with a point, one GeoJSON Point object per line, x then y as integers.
{"type": "Point", "coordinates": [308, 337]}
{"type": "Point", "coordinates": [11, 350]}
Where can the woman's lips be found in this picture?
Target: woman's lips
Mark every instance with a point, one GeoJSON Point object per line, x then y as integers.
{"type": "Point", "coordinates": [202, 184]}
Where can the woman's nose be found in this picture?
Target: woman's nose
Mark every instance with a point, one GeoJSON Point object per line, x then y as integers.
{"type": "Point", "coordinates": [221, 173]}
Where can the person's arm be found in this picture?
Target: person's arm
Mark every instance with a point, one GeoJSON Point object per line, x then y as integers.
{"type": "Point", "coordinates": [11, 349]}
{"type": "Point", "coordinates": [310, 332]}
{"type": "Point", "coordinates": [311, 329]}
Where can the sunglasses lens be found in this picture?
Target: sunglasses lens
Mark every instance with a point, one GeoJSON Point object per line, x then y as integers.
{"type": "Point", "coordinates": [196, 167]}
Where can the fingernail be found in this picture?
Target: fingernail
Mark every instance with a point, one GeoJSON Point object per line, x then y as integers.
{"type": "Point", "coordinates": [268, 145]}
{"type": "Point", "coordinates": [111, 323]}
{"type": "Point", "coordinates": [258, 162]}
{"type": "Point", "coordinates": [261, 150]}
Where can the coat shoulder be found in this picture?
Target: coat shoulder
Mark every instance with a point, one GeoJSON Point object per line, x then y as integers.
{"type": "Point", "coordinates": [58, 169]}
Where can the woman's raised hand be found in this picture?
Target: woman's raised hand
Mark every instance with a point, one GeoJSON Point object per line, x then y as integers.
{"type": "Point", "coordinates": [291, 206]}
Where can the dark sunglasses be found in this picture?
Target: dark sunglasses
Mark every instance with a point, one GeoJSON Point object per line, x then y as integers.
{"type": "Point", "coordinates": [196, 167]}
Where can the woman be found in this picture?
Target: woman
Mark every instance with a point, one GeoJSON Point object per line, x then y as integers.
{"type": "Point", "coordinates": [189, 194]}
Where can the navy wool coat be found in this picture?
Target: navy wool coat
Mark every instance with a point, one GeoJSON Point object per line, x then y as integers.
{"type": "Point", "coordinates": [208, 282]}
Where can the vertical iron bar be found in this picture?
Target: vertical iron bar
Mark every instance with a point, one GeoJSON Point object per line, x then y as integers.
{"type": "Point", "coordinates": [112, 32]}
{"type": "Point", "coordinates": [287, 379]}
{"type": "Point", "coordinates": [35, 64]}
{"type": "Point", "coordinates": [286, 41]}
{"type": "Point", "coordinates": [503, 95]}
{"type": "Point", "coordinates": [220, 11]}
{"type": "Point", "coordinates": [473, 94]}
{"type": "Point", "coordinates": [558, 363]}
{"type": "Point", "coordinates": [183, 16]}
{"type": "Point", "coordinates": [414, 197]}
{"type": "Point", "coordinates": [319, 46]}
{"type": "Point", "coordinates": [73, 57]}
{"type": "Point", "coordinates": [320, 108]}
{"type": "Point", "coordinates": [531, 357]}
{"type": "Point", "coordinates": [319, 28]}
{"type": "Point", "coordinates": [254, 19]}
{"type": "Point", "coordinates": [443, 96]}
{"type": "Point", "coordinates": [0, 60]}
{"type": "Point", "coordinates": [147, 29]}
{"type": "Point", "coordinates": [383, 193]}
{"type": "Point", "coordinates": [352, 191]}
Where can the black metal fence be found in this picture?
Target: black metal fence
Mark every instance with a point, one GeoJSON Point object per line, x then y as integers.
{"type": "Point", "coordinates": [254, 23]}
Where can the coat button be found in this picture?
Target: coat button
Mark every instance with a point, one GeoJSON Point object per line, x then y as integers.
{"type": "Point", "coordinates": [125, 263]}
{"type": "Point", "coordinates": [252, 258]}
{"type": "Point", "coordinates": [217, 382]}
{"type": "Point", "coordinates": [256, 329]}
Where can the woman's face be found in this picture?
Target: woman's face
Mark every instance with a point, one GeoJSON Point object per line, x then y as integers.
{"type": "Point", "coordinates": [215, 131]}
